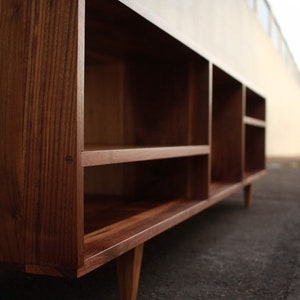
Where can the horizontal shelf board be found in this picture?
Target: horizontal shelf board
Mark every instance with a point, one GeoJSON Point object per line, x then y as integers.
{"type": "Point", "coordinates": [142, 221]}
{"type": "Point", "coordinates": [254, 122]}
{"type": "Point", "coordinates": [93, 156]}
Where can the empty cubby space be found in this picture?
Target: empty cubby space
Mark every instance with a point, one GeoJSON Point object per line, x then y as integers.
{"type": "Point", "coordinates": [254, 150]}
{"type": "Point", "coordinates": [255, 105]}
{"type": "Point", "coordinates": [142, 87]}
{"type": "Point", "coordinates": [226, 144]}
{"type": "Point", "coordinates": [117, 192]}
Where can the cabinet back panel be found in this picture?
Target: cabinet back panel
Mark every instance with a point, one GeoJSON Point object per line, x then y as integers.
{"type": "Point", "coordinates": [198, 104]}
{"type": "Point", "coordinates": [156, 104]}
{"type": "Point", "coordinates": [103, 110]}
{"type": "Point", "coordinates": [255, 105]}
{"type": "Point", "coordinates": [255, 148]}
{"type": "Point", "coordinates": [144, 104]}
{"type": "Point", "coordinates": [161, 179]}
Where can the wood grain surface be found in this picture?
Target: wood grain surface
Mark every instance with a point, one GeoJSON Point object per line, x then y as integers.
{"type": "Point", "coordinates": [39, 143]}
{"type": "Point", "coordinates": [113, 156]}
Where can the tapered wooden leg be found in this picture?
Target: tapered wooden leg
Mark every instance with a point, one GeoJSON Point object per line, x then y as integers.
{"type": "Point", "coordinates": [129, 268]}
{"type": "Point", "coordinates": [248, 195]}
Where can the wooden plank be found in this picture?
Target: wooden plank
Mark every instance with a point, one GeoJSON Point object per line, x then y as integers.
{"type": "Point", "coordinates": [113, 156]}
{"type": "Point", "coordinates": [12, 89]}
{"type": "Point", "coordinates": [40, 184]}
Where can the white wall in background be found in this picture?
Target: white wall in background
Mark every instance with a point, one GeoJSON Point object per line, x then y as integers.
{"type": "Point", "coordinates": [229, 34]}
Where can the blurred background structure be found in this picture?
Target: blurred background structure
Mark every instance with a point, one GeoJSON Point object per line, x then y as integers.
{"type": "Point", "coordinates": [244, 39]}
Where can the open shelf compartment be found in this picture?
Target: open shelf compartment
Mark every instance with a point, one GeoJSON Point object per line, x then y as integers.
{"type": "Point", "coordinates": [226, 132]}
{"type": "Point", "coordinates": [255, 134]}
{"type": "Point", "coordinates": [254, 150]}
{"type": "Point", "coordinates": [255, 106]}
{"type": "Point", "coordinates": [111, 186]}
{"type": "Point", "coordinates": [138, 93]}
{"type": "Point", "coordinates": [255, 111]}
{"type": "Point", "coordinates": [123, 200]}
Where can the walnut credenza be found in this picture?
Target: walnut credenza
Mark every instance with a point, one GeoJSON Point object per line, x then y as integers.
{"type": "Point", "coordinates": [112, 131]}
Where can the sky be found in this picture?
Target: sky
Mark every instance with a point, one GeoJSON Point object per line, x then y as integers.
{"type": "Point", "coordinates": [287, 14]}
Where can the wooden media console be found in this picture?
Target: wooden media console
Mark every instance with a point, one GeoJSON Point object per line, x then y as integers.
{"type": "Point", "coordinates": [112, 131]}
